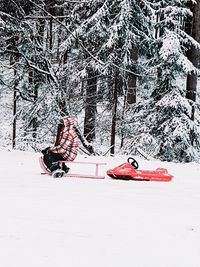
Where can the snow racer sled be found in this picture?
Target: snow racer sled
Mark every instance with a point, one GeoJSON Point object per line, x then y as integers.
{"type": "Point", "coordinates": [129, 171]}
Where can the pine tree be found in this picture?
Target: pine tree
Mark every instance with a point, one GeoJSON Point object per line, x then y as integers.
{"type": "Point", "coordinates": [111, 35]}
{"type": "Point", "coordinates": [163, 125]}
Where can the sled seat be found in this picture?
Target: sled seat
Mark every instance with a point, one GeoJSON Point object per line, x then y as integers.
{"type": "Point", "coordinates": [95, 175]}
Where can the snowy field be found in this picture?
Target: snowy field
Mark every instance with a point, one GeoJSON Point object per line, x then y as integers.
{"type": "Point", "coordinates": [71, 222]}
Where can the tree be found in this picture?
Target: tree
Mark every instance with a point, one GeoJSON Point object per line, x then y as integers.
{"type": "Point", "coordinates": [24, 36]}
{"type": "Point", "coordinates": [191, 27]}
{"type": "Point", "coordinates": [90, 106]}
{"type": "Point", "coordinates": [163, 125]}
{"type": "Point", "coordinates": [132, 78]}
{"type": "Point", "coordinates": [114, 114]}
{"type": "Point", "coordinates": [111, 36]}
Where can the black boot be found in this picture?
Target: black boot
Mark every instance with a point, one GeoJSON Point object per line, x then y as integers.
{"type": "Point", "coordinates": [65, 168]}
{"type": "Point", "coordinates": [54, 166]}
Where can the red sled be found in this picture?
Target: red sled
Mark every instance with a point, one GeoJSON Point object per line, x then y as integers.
{"type": "Point", "coordinates": [129, 171]}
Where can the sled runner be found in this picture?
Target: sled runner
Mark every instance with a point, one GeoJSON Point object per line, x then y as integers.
{"type": "Point", "coordinates": [129, 171]}
{"type": "Point", "coordinates": [75, 175]}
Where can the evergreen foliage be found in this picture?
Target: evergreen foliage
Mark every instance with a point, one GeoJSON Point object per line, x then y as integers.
{"type": "Point", "coordinates": [50, 49]}
{"type": "Point", "coordinates": [164, 124]}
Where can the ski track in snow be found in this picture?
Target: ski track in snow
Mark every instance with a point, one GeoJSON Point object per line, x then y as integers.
{"type": "Point", "coordinates": [77, 222]}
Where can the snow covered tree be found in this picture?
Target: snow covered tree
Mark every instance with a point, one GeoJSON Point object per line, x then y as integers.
{"type": "Point", "coordinates": [164, 125]}
{"type": "Point", "coordinates": [110, 36]}
{"type": "Point", "coordinates": [30, 62]}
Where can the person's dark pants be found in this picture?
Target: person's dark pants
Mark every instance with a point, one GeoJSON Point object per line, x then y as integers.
{"type": "Point", "coordinates": [51, 161]}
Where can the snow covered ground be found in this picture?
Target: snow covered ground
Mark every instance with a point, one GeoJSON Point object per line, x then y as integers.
{"type": "Point", "coordinates": [46, 222]}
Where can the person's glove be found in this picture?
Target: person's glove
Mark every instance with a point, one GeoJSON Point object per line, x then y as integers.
{"type": "Point", "coordinates": [45, 151]}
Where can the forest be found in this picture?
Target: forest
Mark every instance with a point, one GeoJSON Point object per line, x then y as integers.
{"type": "Point", "coordinates": [126, 70]}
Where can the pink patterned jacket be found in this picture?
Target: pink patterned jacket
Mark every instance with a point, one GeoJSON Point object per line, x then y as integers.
{"type": "Point", "coordinates": [66, 143]}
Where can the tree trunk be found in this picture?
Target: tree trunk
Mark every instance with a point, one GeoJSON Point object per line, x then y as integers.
{"type": "Point", "coordinates": [114, 115]}
{"type": "Point", "coordinates": [14, 115]}
{"type": "Point", "coordinates": [191, 85]}
{"type": "Point", "coordinates": [34, 119]}
{"type": "Point", "coordinates": [123, 123]}
{"type": "Point", "coordinates": [34, 79]}
{"type": "Point", "coordinates": [159, 32]}
{"type": "Point", "coordinates": [13, 60]}
{"type": "Point", "coordinates": [33, 86]}
{"type": "Point", "coordinates": [52, 11]}
{"type": "Point", "coordinates": [90, 106]}
{"type": "Point", "coordinates": [192, 28]}
{"type": "Point", "coordinates": [132, 78]}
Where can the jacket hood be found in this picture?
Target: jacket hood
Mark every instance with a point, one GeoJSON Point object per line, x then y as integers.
{"type": "Point", "coordinates": [68, 121]}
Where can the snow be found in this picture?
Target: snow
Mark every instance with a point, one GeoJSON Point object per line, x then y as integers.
{"type": "Point", "coordinates": [79, 222]}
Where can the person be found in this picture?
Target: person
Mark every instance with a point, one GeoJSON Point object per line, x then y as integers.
{"type": "Point", "coordinates": [65, 147]}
